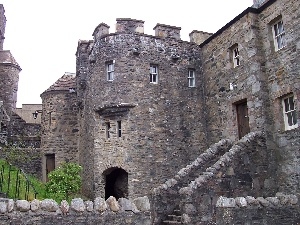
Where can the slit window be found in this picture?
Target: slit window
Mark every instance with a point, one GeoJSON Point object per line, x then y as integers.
{"type": "Point", "coordinates": [107, 125]}
{"type": "Point", "coordinates": [119, 129]}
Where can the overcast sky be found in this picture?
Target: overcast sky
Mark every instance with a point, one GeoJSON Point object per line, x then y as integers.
{"type": "Point", "coordinates": [43, 35]}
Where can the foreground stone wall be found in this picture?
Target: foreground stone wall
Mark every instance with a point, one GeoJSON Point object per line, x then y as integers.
{"type": "Point", "coordinates": [280, 210]}
{"type": "Point", "coordinates": [48, 212]}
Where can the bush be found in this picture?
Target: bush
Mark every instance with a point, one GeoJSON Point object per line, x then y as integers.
{"type": "Point", "coordinates": [64, 182]}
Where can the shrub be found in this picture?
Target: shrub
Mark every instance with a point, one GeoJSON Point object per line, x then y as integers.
{"type": "Point", "coordinates": [64, 182]}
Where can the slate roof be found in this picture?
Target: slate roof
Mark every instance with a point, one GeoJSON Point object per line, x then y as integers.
{"type": "Point", "coordinates": [64, 83]}
{"type": "Point", "coordinates": [7, 58]}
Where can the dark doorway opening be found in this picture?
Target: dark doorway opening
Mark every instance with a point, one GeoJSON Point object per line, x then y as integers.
{"type": "Point", "coordinates": [116, 183]}
{"type": "Point", "coordinates": [242, 118]}
{"type": "Point", "coordinates": [50, 164]}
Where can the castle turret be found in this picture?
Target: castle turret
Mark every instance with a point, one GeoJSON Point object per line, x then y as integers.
{"type": "Point", "coordinates": [59, 123]}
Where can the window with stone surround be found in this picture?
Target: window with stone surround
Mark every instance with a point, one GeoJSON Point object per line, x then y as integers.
{"type": "Point", "coordinates": [289, 112]}
{"type": "Point", "coordinates": [278, 34]}
{"type": "Point", "coordinates": [107, 129]}
{"type": "Point", "coordinates": [235, 55]}
{"type": "Point", "coordinates": [119, 129]}
{"type": "Point", "coordinates": [110, 67]}
{"type": "Point", "coordinates": [191, 77]}
{"type": "Point", "coordinates": [153, 74]}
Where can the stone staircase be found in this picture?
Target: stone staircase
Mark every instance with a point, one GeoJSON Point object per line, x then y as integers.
{"type": "Point", "coordinates": [174, 218]}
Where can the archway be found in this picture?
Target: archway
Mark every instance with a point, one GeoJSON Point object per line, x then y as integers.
{"type": "Point", "coordinates": [116, 183]}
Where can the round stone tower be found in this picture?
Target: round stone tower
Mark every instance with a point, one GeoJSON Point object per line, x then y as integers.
{"type": "Point", "coordinates": [59, 123]}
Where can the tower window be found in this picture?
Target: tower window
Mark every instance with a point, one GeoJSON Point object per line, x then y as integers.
{"type": "Point", "coordinates": [119, 128]}
{"type": "Point", "coordinates": [110, 71]}
{"type": "Point", "coordinates": [153, 74]}
{"type": "Point", "coordinates": [191, 78]}
{"type": "Point", "coordinates": [289, 112]}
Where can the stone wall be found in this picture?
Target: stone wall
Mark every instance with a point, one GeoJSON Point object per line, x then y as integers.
{"type": "Point", "coordinates": [27, 159]}
{"type": "Point", "coordinates": [78, 212]}
{"type": "Point", "coordinates": [280, 210]}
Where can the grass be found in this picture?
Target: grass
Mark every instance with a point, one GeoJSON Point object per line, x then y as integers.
{"type": "Point", "coordinates": [15, 184]}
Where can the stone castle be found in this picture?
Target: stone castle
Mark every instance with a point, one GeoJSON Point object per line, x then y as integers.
{"type": "Point", "coordinates": [158, 116]}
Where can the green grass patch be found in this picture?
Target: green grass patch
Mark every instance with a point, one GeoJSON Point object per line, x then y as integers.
{"type": "Point", "coordinates": [17, 185]}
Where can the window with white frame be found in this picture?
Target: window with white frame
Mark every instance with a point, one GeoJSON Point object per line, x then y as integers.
{"type": "Point", "coordinates": [235, 56]}
{"type": "Point", "coordinates": [278, 35]}
{"type": "Point", "coordinates": [153, 74]}
{"type": "Point", "coordinates": [191, 78]}
{"type": "Point", "coordinates": [289, 112]}
{"type": "Point", "coordinates": [110, 67]}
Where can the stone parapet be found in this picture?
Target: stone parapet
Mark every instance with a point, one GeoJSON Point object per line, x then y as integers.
{"type": "Point", "coordinates": [78, 211]}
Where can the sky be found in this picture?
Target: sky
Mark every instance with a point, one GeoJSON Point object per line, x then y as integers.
{"type": "Point", "coordinates": [43, 35]}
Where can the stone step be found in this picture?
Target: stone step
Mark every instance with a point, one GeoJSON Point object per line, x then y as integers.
{"type": "Point", "coordinates": [174, 218]}
{"type": "Point", "coordinates": [171, 222]}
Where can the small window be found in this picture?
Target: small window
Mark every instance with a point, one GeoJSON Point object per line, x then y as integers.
{"type": "Point", "coordinates": [235, 56]}
{"type": "Point", "coordinates": [119, 129]}
{"type": "Point", "coordinates": [153, 74]}
{"type": "Point", "coordinates": [110, 71]}
{"type": "Point", "coordinates": [191, 78]}
{"type": "Point", "coordinates": [289, 112]}
{"type": "Point", "coordinates": [107, 124]}
{"type": "Point", "coordinates": [278, 35]}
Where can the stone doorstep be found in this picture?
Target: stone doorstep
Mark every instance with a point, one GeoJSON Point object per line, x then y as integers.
{"type": "Point", "coordinates": [174, 218]}
{"type": "Point", "coordinates": [171, 222]}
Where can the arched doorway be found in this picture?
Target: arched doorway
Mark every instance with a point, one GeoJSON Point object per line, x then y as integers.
{"type": "Point", "coordinates": [116, 183]}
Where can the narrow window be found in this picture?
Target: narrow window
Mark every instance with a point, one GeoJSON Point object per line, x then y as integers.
{"type": "Point", "coordinates": [107, 124]}
{"type": "Point", "coordinates": [278, 35]}
{"type": "Point", "coordinates": [119, 128]}
{"type": "Point", "coordinates": [236, 56]}
{"type": "Point", "coordinates": [289, 112]}
{"type": "Point", "coordinates": [153, 74]}
{"type": "Point", "coordinates": [191, 78]}
{"type": "Point", "coordinates": [110, 71]}
{"type": "Point", "coordinates": [50, 119]}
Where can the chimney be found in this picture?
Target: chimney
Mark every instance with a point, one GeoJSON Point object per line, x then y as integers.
{"type": "Point", "coordinates": [100, 30]}
{"type": "Point", "coordinates": [199, 37]}
{"type": "Point", "coordinates": [258, 3]}
{"type": "Point", "coordinates": [162, 30]}
{"type": "Point", "coordinates": [127, 25]}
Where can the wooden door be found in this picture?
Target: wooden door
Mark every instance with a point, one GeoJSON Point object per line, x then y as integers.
{"type": "Point", "coordinates": [242, 119]}
{"type": "Point", "coordinates": [50, 164]}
